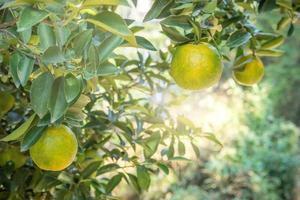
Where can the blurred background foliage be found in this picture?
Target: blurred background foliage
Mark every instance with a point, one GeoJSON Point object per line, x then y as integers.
{"type": "Point", "coordinates": [259, 129]}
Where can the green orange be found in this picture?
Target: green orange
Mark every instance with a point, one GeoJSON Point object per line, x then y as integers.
{"type": "Point", "coordinates": [196, 66]}
{"type": "Point", "coordinates": [7, 101]}
{"type": "Point", "coordinates": [250, 73]}
{"type": "Point", "coordinates": [56, 149]}
{"type": "Point", "coordinates": [14, 155]}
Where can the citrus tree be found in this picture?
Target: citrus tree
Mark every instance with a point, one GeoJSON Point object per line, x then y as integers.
{"type": "Point", "coordinates": [76, 119]}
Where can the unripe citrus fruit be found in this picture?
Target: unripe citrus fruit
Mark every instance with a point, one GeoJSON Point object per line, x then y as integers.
{"type": "Point", "coordinates": [55, 150]}
{"type": "Point", "coordinates": [12, 154]}
{"type": "Point", "coordinates": [7, 101]}
{"type": "Point", "coordinates": [196, 67]}
{"type": "Point", "coordinates": [250, 73]}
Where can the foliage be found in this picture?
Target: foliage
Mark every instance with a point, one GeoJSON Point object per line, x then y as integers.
{"type": "Point", "coordinates": [57, 61]}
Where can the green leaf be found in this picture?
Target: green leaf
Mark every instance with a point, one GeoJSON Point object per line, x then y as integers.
{"type": "Point", "coordinates": [144, 43]}
{"type": "Point", "coordinates": [212, 138]}
{"type": "Point", "coordinates": [273, 43]}
{"type": "Point", "coordinates": [32, 137]}
{"type": "Point", "coordinates": [72, 87]}
{"type": "Point", "coordinates": [53, 55]}
{"type": "Point", "coordinates": [90, 169]}
{"type": "Point", "coordinates": [25, 68]}
{"type": "Point", "coordinates": [62, 34]}
{"type": "Point", "coordinates": [238, 38]}
{"type": "Point", "coordinates": [93, 61]}
{"type": "Point", "coordinates": [163, 167]}
{"type": "Point", "coordinates": [40, 93]}
{"type": "Point", "coordinates": [143, 177]}
{"type": "Point", "coordinates": [30, 17]}
{"type": "Point", "coordinates": [156, 9]}
{"type": "Point", "coordinates": [113, 182]}
{"type": "Point", "coordinates": [174, 34]}
{"type": "Point", "coordinates": [14, 62]}
{"type": "Point", "coordinates": [210, 7]}
{"type": "Point", "coordinates": [134, 182]}
{"type": "Point", "coordinates": [57, 103]}
{"type": "Point", "coordinates": [107, 47]}
{"type": "Point", "coordinates": [171, 149]}
{"type": "Point", "coordinates": [21, 130]}
{"type": "Point", "coordinates": [181, 148]}
{"type": "Point", "coordinates": [46, 35]}
{"type": "Point", "coordinates": [92, 3]}
{"type": "Point", "coordinates": [82, 41]}
{"type": "Point", "coordinates": [65, 177]}
{"type": "Point", "coordinates": [150, 144]}
{"type": "Point", "coordinates": [113, 23]}
{"type": "Point", "coordinates": [196, 150]}
{"type": "Point", "coordinates": [26, 35]}
{"type": "Point", "coordinates": [107, 69]}
{"type": "Point", "coordinates": [269, 52]}
{"type": "Point", "coordinates": [107, 168]}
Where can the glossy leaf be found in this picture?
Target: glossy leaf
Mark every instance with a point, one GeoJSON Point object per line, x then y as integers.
{"type": "Point", "coordinates": [156, 9]}
{"type": "Point", "coordinates": [30, 17]}
{"type": "Point", "coordinates": [40, 93]}
{"type": "Point", "coordinates": [238, 38]}
{"type": "Point", "coordinates": [72, 87]}
{"type": "Point", "coordinates": [113, 23]}
{"type": "Point", "coordinates": [46, 35]}
{"type": "Point", "coordinates": [57, 103]}
{"type": "Point", "coordinates": [21, 130]}
{"type": "Point", "coordinates": [53, 55]}
{"type": "Point", "coordinates": [143, 177]}
{"type": "Point", "coordinates": [107, 47]}
{"type": "Point", "coordinates": [32, 137]}
{"type": "Point", "coordinates": [92, 3]}
{"type": "Point", "coordinates": [25, 67]}
{"type": "Point", "coordinates": [82, 41]}
{"type": "Point", "coordinates": [113, 182]}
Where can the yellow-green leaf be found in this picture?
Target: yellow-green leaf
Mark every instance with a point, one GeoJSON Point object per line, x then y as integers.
{"type": "Point", "coordinates": [16, 134]}
{"type": "Point", "coordinates": [88, 3]}
{"type": "Point", "coordinates": [113, 23]}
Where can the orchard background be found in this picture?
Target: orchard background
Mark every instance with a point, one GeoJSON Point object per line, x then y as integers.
{"type": "Point", "coordinates": [102, 67]}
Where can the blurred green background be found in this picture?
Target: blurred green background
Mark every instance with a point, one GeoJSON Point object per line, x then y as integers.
{"type": "Point", "coordinates": [258, 126]}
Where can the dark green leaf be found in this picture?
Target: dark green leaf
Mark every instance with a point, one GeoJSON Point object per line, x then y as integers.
{"type": "Point", "coordinates": [32, 137]}
{"type": "Point", "coordinates": [163, 167]}
{"type": "Point", "coordinates": [40, 93]}
{"type": "Point", "coordinates": [134, 182]}
{"type": "Point", "coordinates": [72, 87]}
{"type": "Point", "coordinates": [53, 55]}
{"type": "Point", "coordinates": [143, 177]}
{"type": "Point", "coordinates": [25, 68]}
{"type": "Point", "coordinates": [107, 47]}
{"type": "Point", "coordinates": [82, 41]}
{"type": "Point", "coordinates": [30, 17]}
{"type": "Point", "coordinates": [90, 169]}
{"type": "Point", "coordinates": [57, 103]}
{"type": "Point", "coordinates": [14, 62]}
{"type": "Point", "coordinates": [238, 38]}
{"type": "Point", "coordinates": [46, 35]}
{"type": "Point", "coordinates": [144, 43]}
{"type": "Point", "coordinates": [156, 9]}
{"type": "Point", "coordinates": [107, 168]}
{"type": "Point", "coordinates": [113, 182]}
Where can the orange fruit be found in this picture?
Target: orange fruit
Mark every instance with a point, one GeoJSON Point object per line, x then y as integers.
{"type": "Point", "coordinates": [250, 73]}
{"type": "Point", "coordinates": [7, 101]}
{"type": "Point", "coordinates": [196, 67]}
{"type": "Point", "coordinates": [12, 154]}
{"type": "Point", "coordinates": [56, 149]}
